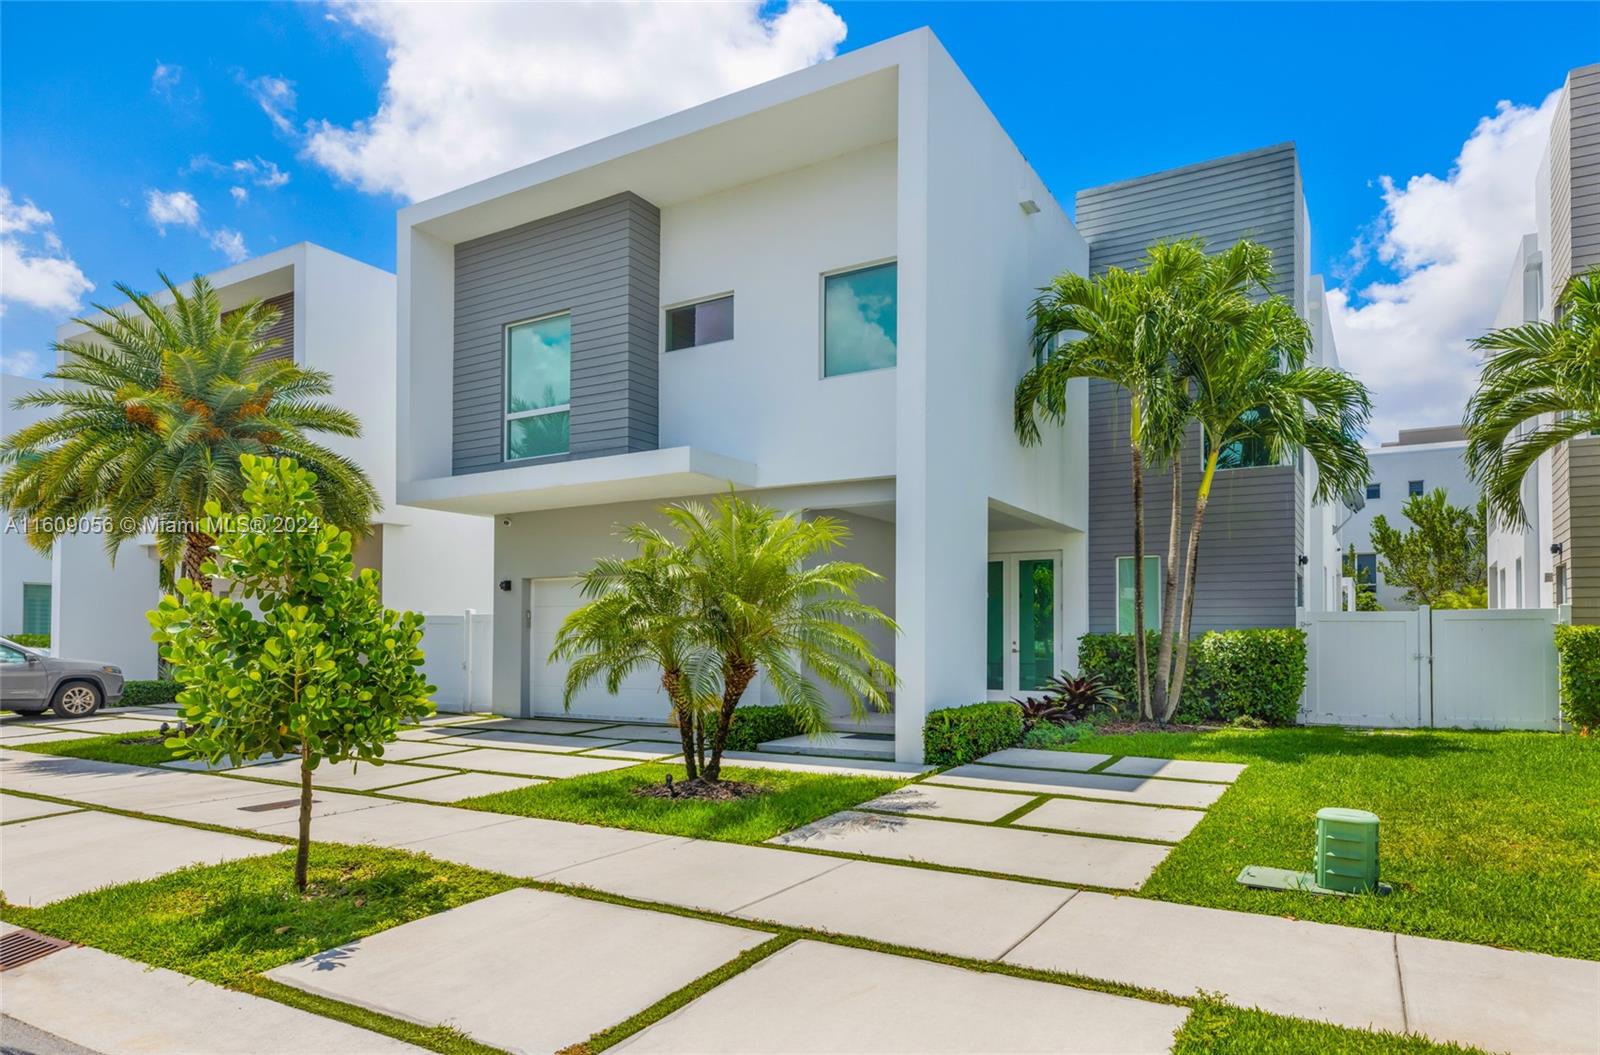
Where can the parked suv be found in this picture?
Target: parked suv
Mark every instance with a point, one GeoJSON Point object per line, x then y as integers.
{"type": "Point", "coordinates": [31, 680]}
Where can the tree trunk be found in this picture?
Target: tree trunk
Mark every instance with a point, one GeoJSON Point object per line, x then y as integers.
{"type": "Point", "coordinates": [196, 551]}
{"type": "Point", "coordinates": [1141, 659]}
{"type": "Point", "coordinates": [736, 678]}
{"type": "Point", "coordinates": [672, 681]}
{"type": "Point", "coordinates": [1169, 589]}
{"type": "Point", "coordinates": [1191, 569]}
{"type": "Point", "coordinates": [302, 857]}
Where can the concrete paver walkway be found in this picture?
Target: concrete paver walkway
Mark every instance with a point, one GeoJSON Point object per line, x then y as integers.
{"type": "Point", "coordinates": [108, 1004]}
{"type": "Point", "coordinates": [1085, 785]}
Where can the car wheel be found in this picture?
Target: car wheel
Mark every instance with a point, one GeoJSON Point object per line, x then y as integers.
{"type": "Point", "coordinates": [76, 699]}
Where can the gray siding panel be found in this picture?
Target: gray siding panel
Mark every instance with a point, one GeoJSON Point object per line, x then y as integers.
{"type": "Point", "coordinates": [281, 331]}
{"type": "Point", "coordinates": [1255, 519]}
{"type": "Point", "coordinates": [600, 262]}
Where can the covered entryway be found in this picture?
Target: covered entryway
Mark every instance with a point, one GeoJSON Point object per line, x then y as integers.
{"type": "Point", "coordinates": [640, 695]}
{"type": "Point", "coordinates": [1024, 624]}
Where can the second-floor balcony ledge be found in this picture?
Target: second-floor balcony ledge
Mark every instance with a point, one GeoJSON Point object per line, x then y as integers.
{"type": "Point", "coordinates": [675, 472]}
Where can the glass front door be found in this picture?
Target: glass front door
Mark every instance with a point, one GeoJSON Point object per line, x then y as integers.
{"type": "Point", "coordinates": [1024, 622]}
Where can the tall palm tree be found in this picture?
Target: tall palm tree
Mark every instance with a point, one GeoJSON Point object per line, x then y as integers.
{"type": "Point", "coordinates": [155, 416]}
{"type": "Point", "coordinates": [1244, 364]}
{"type": "Point", "coordinates": [1115, 324]}
{"type": "Point", "coordinates": [1546, 374]}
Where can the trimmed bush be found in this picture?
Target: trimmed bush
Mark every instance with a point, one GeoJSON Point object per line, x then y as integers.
{"type": "Point", "coordinates": [1251, 674]}
{"type": "Point", "coordinates": [754, 725]}
{"type": "Point", "coordinates": [1111, 657]}
{"type": "Point", "coordinates": [1579, 649]}
{"type": "Point", "coordinates": [31, 640]}
{"type": "Point", "coordinates": [957, 735]}
{"type": "Point", "coordinates": [145, 693]}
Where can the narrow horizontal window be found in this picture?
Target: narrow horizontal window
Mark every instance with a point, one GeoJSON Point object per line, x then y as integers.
{"type": "Point", "coordinates": [859, 320]}
{"type": "Point", "coordinates": [707, 322]}
{"type": "Point", "coordinates": [538, 387]}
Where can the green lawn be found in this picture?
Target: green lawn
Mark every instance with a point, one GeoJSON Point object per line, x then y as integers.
{"type": "Point", "coordinates": [1215, 1029]}
{"type": "Point", "coordinates": [1491, 838]}
{"type": "Point", "coordinates": [791, 799]}
{"type": "Point", "coordinates": [103, 749]}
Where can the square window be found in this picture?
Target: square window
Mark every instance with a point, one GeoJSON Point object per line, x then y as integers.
{"type": "Point", "coordinates": [859, 326]}
{"type": "Point", "coordinates": [1414, 487]}
{"type": "Point", "coordinates": [707, 322]}
{"type": "Point", "coordinates": [1152, 594]}
{"type": "Point", "coordinates": [1374, 491]}
{"type": "Point", "coordinates": [538, 387]}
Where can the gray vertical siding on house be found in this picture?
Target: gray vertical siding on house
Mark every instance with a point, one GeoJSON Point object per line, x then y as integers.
{"type": "Point", "coordinates": [601, 262]}
{"type": "Point", "coordinates": [1583, 87]}
{"type": "Point", "coordinates": [1255, 521]}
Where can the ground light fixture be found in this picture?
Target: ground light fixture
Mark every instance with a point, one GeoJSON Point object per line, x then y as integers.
{"type": "Point", "coordinates": [1346, 863]}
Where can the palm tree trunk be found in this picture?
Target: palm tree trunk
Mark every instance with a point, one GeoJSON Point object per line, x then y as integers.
{"type": "Point", "coordinates": [196, 551]}
{"type": "Point", "coordinates": [735, 680]}
{"type": "Point", "coordinates": [1191, 569]}
{"type": "Point", "coordinates": [1141, 658]}
{"type": "Point", "coordinates": [1169, 589]}
{"type": "Point", "coordinates": [302, 857]}
{"type": "Point", "coordinates": [672, 681]}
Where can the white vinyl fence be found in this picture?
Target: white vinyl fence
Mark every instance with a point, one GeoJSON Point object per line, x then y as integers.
{"type": "Point", "coordinates": [459, 649]}
{"type": "Point", "coordinates": [1467, 669]}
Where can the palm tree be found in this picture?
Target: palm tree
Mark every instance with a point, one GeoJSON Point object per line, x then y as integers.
{"type": "Point", "coordinates": [1116, 322]}
{"type": "Point", "coordinates": [1542, 373]}
{"type": "Point", "coordinates": [154, 418]}
{"type": "Point", "coordinates": [1244, 365]}
{"type": "Point", "coordinates": [641, 615]}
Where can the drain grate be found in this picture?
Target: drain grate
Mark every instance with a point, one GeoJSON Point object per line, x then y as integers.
{"type": "Point", "coordinates": [25, 946]}
{"type": "Point", "coordinates": [262, 807]}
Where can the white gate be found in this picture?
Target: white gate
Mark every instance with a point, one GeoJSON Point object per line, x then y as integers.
{"type": "Point", "coordinates": [456, 651]}
{"type": "Point", "coordinates": [1468, 668]}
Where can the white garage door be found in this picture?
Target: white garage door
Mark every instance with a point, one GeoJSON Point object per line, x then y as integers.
{"type": "Point", "coordinates": [639, 697]}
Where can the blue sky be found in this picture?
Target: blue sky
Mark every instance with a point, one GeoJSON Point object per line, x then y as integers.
{"type": "Point", "coordinates": [124, 122]}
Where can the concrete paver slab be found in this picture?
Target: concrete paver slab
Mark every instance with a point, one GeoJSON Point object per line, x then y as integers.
{"type": "Point", "coordinates": [556, 726]}
{"type": "Point", "coordinates": [408, 750]}
{"type": "Point", "coordinates": [856, 767]}
{"type": "Point", "coordinates": [267, 806]}
{"type": "Point", "coordinates": [1177, 769]}
{"type": "Point", "coordinates": [391, 824]}
{"type": "Point", "coordinates": [840, 744]}
{"type": "Point", "coordinates": [1074, 761]}
{"type": "Point", "coordinates": [1114, 818]}
{"type": "Point", "coordinates": [515, 741]}
{"type": "Point", "coordinates": [716, 877]}
{"type": "Point", "coordinates": [653, 733]}
{"type": "Point", "coordinates": [40, 734]}
{"type": "Point", "coordinates": [959, 915]}
{"type": "Point", "coordinates": [107, 726]}
{"type": "Point", "coordinates": [197, 765]}
{"type": "Point", "coordinates": [931, 800]}
{"type": "Point", "coordinates": [56, 857]}
{"type": "Point", "coordinates": [638, 751]}
{"type": "Point", "coordinates": [1072, 859]}
{"type": "Point", "coordinates": [529, 763]}
{"type": "Point", "coordinates": [134, 788]}
{"type": "Point", "coordinates": [139, 1010]}
{"type": "Point", "coordinates": [1500, 999]}
{"type": "Point", "coordinates": [606, 962]}
{"type": "Point", "coordinates": [1083, 785]}
{"type": "Point", "coordinates": [532, 847]}
{"type": "Point", "coordinates": [861, 1001]}
{"type": "Point", "coordinates": [1333, 974]}
{"type": "Point", "coordinates": [454, 787]}
{"type": "Point", "coordinates": [17, 808]}
{"type": "Point", "coordinates": [353, 776]}
{"type": "Point", "coordinates": [431, 733]}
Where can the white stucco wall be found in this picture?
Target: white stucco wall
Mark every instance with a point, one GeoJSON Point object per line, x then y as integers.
{"type": "Point", "coordinates": [20, 563]}
{"type": "Point", "coordinates": [1436, 465]}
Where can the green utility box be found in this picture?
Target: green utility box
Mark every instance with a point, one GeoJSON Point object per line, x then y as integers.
{"type": "Point", "coordinates": [1347, 850]}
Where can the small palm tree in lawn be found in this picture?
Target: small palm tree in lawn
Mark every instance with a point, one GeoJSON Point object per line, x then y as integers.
{"type": "Point", "coordinates": [1248, 382]}
{"type": "Point", "coordinates": [1543, 374]}
{"type": "Point", "coordinates": [158, 407]}
{"type": "Point", "coordinates": [1119, 327]}
{"type": "Point", "coordinates": [641, 615]}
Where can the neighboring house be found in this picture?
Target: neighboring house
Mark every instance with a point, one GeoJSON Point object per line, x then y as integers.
{"type": "Point", "coordinates": [1416, 463]}
{"type": "Point", "coordinates": [1558, 549]}
{"type": "Point", "coordinates": [337, 315]}
{"type": "Point", "coordinates": [25, 577]}
{"type": "Point", "coordinates": [1267, 550]}
{"type": "Point", "coordinates": [815, 291]}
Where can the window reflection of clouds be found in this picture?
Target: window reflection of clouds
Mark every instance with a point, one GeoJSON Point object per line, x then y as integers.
{"type": "Point", "coordinates": [541, 364]}
{"type": "Point", "coordinates": [860, 321]}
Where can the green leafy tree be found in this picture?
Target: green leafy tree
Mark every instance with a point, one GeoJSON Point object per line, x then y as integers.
{"type": "Point", "coordinates": [159, 404]}
{"type": "Point", "coordinates": [1444, 552]}
{"type": "Point", "coordinates": [1366, 592]}
{"type": "Point", "coordinates": [324, 670]}
{"type": "Point", "coordinates": [733, 591]}
{"type": "Point", "coordinates": [1540, 387]}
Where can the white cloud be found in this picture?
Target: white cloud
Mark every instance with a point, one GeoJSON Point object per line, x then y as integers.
{"type": "Point", "coordinates": [257, 170]}
{"type": "Point", "coordinates": [240, 195]}
{"type": "Point", "coordinates": [176, 208]}
{"type": "Point", "coordinates": [25, 363]}
{"type": "Point", "coordinates": [477, 89]}
{"type": "Point", "coordinates": [229, 243]}
{"type": "Point", "coordinates": [166, 77]}
{"type": "Point", "coordinates": [1449, 242]}
{"type": "Point", "coordinates": [35, 271]}
{"type": "Point", "coordinates": [276, 98]}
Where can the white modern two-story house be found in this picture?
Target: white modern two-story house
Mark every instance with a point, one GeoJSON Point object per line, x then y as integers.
{"type": "Point", "coordinates": [813, 291]}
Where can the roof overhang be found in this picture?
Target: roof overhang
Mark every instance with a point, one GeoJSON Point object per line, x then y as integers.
{"type": "Point", "coordinates": [675, 472]}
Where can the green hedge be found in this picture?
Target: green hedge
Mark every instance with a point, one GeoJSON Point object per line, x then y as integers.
{"type": "Point", "coordinates": [31, 640]}
{"type": "Point", "coordinates": [1579, 649]}
{"type": "Point", "coordinates": [145, 693]}
{"type": "Point", "coordinates": [753, 726]}
{"type": "Point", "coordinates": [1231, 673]}
{"type": "Point", "coordinates": [957, 735]}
